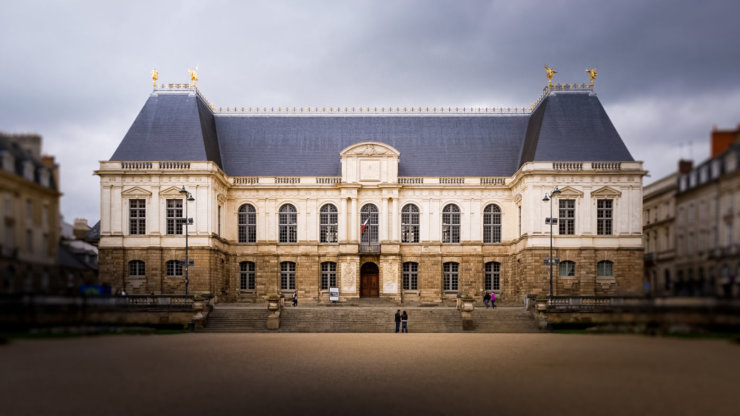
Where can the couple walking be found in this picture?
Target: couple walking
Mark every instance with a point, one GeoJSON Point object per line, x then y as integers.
{"type": "Point", "coordinates": [402, 318]}
{"type": "Point", "coordinates": [490, 297]}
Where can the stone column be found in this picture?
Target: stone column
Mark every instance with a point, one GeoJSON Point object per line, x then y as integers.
{"type": "Point", "coordinates": [395, 231]}
{"type": "Point", "coordinates": [152, 212]}
{"type": "Point", "coordinates": [383, 223]}
{"type": "Point", "coordinates": [353, 232]}
{"type": "Point", "coordinates": [342, 220]}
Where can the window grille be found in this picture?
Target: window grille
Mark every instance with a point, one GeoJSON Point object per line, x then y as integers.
{"type": "Point", "coordinates": [369, 213]}
{"type": "Point", "coordinates": [287, 275]}
{"type": "Point", "coordinates": [605, 268]}
{"type": "Point", "coordinates": [136, 268]}
{"type": "Point", "coordinates": [137, 216]}
{"type": "Point", "coordinates": [175, 219]}
{"type": "Point", "coordinates": [567, 268]}
{"type": "Point", "coordinates": [450, 277]}
{"type": "Point", "coordinates": [604, 217]}
{"type": "Point", "coordinates": [410, 276]}
{"type": "Point", "coordinates": [410, 224]}
{"type": "Point", "coordinates": [174, 268]}
{"type": "Point", "coordinates": [328, 224]}
{"type": "Point", "coordinates": [493, 276]}
{"type": "Point", "coordinates": [451, 224]}
{"type": "Point", "coordinates": [328, 275]}
{"type": "Point", "coordinates": [247, 224]}
{"type": "Point", "coordinates": [288, 224]}
{"type": "Point", "coordinates": [567, 220]}
{"type": "Point", "coordinates": [247, 277]}
{"type": "Point", "coordinates": [492, 224]}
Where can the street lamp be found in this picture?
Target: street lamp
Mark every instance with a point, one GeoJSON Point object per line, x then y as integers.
{"type": "Point", "coordinates": [188, 220]}
{"type": "Point", "coordinates": [550, 220]}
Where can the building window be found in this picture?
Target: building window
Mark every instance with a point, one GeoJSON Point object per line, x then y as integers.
{"type": "Point", "coordinates": [605, 268]}
{"type": "Point", "coordinates": [247, 277]}
{"type": "Point", "coordinates": [174, 268]}
{"type": "Point", "coordinates": [174, 216]}
{"type": "Point", "coordinates": [604, 217]}
{"type": "Point", "coordinates": [328, 275]}
{"type": "Point", "coordinates": [29, 211]}
{"type": "Point", "coordinates": [492, 224]}
{"type": "Point", "coordinates": [328, 224]}
{"type": "Point", "coordinates": [369, 220]}
{"type": "Point", "coordinates": [247, 224]}
{"type": "Point", "coordinates": [137, 216]}
{"type": "Point", "coordinates": [136, 268]}
{"type": "Point", "coordinates": [288, 224]}
{"type": "Point", "coordinates": [287, 275]}
{"type": "Point", "coordinates": [29, 240]}
{"type": "Point", "coordinates": [410, 224]}
{"type": "Point", "coordinates": [567, 219]}
{"type": "Point", "coordinates": [449, 278]}
{"type": "Point", "coordinates": [451, 224]}
{"type": "Point", "coordinates": [567, 268]}
{"type": "Point", "coordinates": [410, 276]}
{"type": "Point", "coordinates": [492, 280]}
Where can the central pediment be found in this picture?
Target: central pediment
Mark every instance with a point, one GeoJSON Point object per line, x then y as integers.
{"type": "Point", "coordinates": [369, 162]}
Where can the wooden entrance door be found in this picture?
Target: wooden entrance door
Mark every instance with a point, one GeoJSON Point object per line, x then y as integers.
{"type": "Point", "coordinates": [369, 277]}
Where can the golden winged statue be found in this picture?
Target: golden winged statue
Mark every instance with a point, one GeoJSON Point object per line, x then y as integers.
{"type": "Point", "coordinates": [155, 77]}
{"type": "Point", "coordinates": [592, 74]}
{"type": "Point", "coordinates": [193, 74]}
{"type": "Point", "coordinates": [550, 73]}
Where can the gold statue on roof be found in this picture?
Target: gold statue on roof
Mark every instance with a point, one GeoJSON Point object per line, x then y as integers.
{"type": "Point", "coordinates": [155, 77]}
{"type": "Point", "coordinates": [550, 73]}
{"type": "Point", "coordinates": [592, 74]}
{"type": "Point", "coordinates": [193, 75]}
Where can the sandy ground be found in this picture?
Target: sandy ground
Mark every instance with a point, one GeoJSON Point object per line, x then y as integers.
{"type": "Point", "coordinates": [388, 374]}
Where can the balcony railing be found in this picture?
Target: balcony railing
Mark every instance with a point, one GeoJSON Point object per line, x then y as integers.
{"type": "Point", "coordinates": [369, 248]}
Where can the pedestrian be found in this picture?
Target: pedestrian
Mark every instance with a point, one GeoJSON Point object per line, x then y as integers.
{"type": "Point", "coordinates": [295, 298]}
{"type": "Point", "coordinates": [123, 292]}
{"type": "Point", "coordinates": [398, 320]}
{"type": "Point", "coordinates": [405, 321]}
{"type": "Point", "coordinates": [487, 299]}
{"type": "Point", "coordinates": [493, 300]}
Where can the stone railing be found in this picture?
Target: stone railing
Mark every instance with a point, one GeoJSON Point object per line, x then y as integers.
{"type": "Point", "coordinates": [369, 248]}
{"type": "Point", "coordinates": [498, 181]}
{"type": "Point", "coordinates": [410, 180]}
{"type": "Point", "coordinates": [452, 180]}
{"type": "Point", "coordinates": [329, 180]}
{"type": "Point", "coordinates": [246, 180]}
{"type": "Point", "coordinates": [136, 165]}
{"type": "Point", "coordinates": [567, 166]}
{"type": "Point", "coordinates": [608, 166]}
{"type": "Point", "coordinates": [288, 180]}
{"type": "Point", "coordinates": [174, 165]}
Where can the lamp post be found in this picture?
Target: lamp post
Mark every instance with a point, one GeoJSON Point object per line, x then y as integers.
{"type": "Point", "coordinates": [188, 220]}
{"type": "Point", "coordinates": [550, 220]}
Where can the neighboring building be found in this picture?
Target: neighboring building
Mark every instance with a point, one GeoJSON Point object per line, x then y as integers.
{"type": "Point", "coordinates": [78, 254]}
{"type": "Point", "coordinates": [412, 204]}
{"type": "Point", "coordinates": [30, 216]}
{"type": "Point", "coordinates": [659, 215]}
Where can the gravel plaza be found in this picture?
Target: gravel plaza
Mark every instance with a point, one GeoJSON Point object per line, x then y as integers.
{"type": "Point", "coordinates": [388, 374]}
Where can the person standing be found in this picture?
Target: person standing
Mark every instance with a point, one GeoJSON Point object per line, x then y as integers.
{"type": "Point", "coordinates": [493, 300]}
{"type": "Point", "coordinates": [398, 320]}
{"type": "Point", "coordinates": [295, 298]}
{"type": "Point", "coordinates": [486, 299]}
{"type": "Point", "coordinates": [404, 321]}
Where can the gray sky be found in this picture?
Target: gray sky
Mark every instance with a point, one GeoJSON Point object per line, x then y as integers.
{"type": "Point", "coordinates": [77, 72]}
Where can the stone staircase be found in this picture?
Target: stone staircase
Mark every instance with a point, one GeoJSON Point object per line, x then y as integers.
{"type": "Point", "coordinates": [225, 318]}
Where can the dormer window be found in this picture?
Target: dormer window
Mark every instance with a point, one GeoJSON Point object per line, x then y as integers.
{"type": "Point", "coordinates": [28, 170]}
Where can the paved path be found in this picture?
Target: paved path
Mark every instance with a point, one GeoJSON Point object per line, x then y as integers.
{"type": "Point", "coordinates": [388, 374]}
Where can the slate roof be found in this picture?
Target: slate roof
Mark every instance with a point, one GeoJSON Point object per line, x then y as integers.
{"type": "Point", "coordinates": [180, 126]}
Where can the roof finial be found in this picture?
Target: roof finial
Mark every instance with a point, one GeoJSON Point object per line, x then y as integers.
{"type": "Point", "coordinates": [155, 76]}
{"type": "Point", "coordinates": [193, 75]}
{"type": "Point", "coordinates": [592, 74]}
{"type": "Point", "coordinates": [550, 73]}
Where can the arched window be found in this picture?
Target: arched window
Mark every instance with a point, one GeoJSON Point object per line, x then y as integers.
{"type": "Point", "coordinates": [328, 224]}
{"type": "Point", "coordinates": [369, 228]}
{"type": "Point", "coordinates": [247, 276]}
{"type": "Point", "coordinates": [605, 268]}
{"type": "Point", "coordinates": [288, 224]}
{"type": "Point", "coordinates": [328, 275]}
{"type": "Point", "coordinates": [247, 224]}
{"type": "Point", "coordinates": [492, 279]}
{"type": "Point", "coordinates": [492, 224]}
{"type": "Point", "coordinates": [287, 275]}
{"type": "Point", "coordinates": [410, 276]}
{"type": "Point", "coordinates": [567, 268]}
{"type": "Point", "coordinates": [410, 224]}
{"type": "Point", "coordinates": [450, 277]}
{"type": "Point", "coordinates": [174, 268]}
{"type": "Point", "coordinates": [136, 268]}
{"type": "Point", "coordinates": [451, 224]}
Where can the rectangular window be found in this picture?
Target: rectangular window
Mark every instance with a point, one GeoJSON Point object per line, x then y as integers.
{"type": "Point", "coordinates": [567, 221]}
{"type": "Point", "coordinates": [410, 276]}
{"type": "Point", "coordinates": [174, 268]}
{"type": "Point", "coordinates": [136, 268]}
{"type": "Point", "coordinates": [29, 240]}
{"type": "Point", "coordinates": [328, 275]}
{"type": "Point", "coordinates": [174, 216]}
{"type": "Point", "coordinates": [287, 275]}
{"type": "Point", "coordinates": [567, 268]}
{"type": "Point", "coordinates": [604, 268]}
{"type": "Point", "coordinates": [29, 211]}
{"type": "Point", "coordinates": [604, 217]}
{"type": "Point", "coordinates": [450, 277]}
{"type": "Point", "coordinates": [247, 276]}
{"type": "Point", "coordinates": [493, 276]}
{"type": "Point", "coordinates": [137, 216]}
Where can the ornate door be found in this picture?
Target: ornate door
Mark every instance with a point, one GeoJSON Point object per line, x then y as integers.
{"type": "Point", "coordinates": [369, 277]}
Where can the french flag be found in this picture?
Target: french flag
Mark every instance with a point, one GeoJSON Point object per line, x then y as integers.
{"type": "Point", "coordinates": [364, 225]}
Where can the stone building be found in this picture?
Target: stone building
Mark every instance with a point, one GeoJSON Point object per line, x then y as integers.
{"type": "Point", "coordinates": [413, 204]}
{"type": "Point", "coordinates": [659, 215]}
{"type": "Point", "coordinates": [29, 227]}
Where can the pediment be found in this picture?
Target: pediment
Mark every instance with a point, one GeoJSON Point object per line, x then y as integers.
{"type": "Point", "coordinates": [606, 192]}
{"type": "Point", "coordinates": [135, 191]}
{"type": "Point", "coordinates": [370, 149]}
{"type": "Point", "coordinates": [570, 192]}
{"type": "Point", "coordinates": [171, 191]}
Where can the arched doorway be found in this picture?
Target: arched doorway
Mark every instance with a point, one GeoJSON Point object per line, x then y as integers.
{"type": "Point", "coordinates": [369, 277]}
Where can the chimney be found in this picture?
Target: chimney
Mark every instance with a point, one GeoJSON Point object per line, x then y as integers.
{"type": "Point", "coordinates": [81, 228]}
{"type": "Point", "coordinates": [28, 142]}
{"type": "Point", "coordinates": [722, 140]}
{"type": "Point", "coordinates": [685, 166]}
{"type": "Point", "coordinates": [48, 161]}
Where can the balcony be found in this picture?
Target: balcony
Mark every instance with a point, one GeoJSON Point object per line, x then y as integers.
{"type": "Point", "coordinates": [370, 248]}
